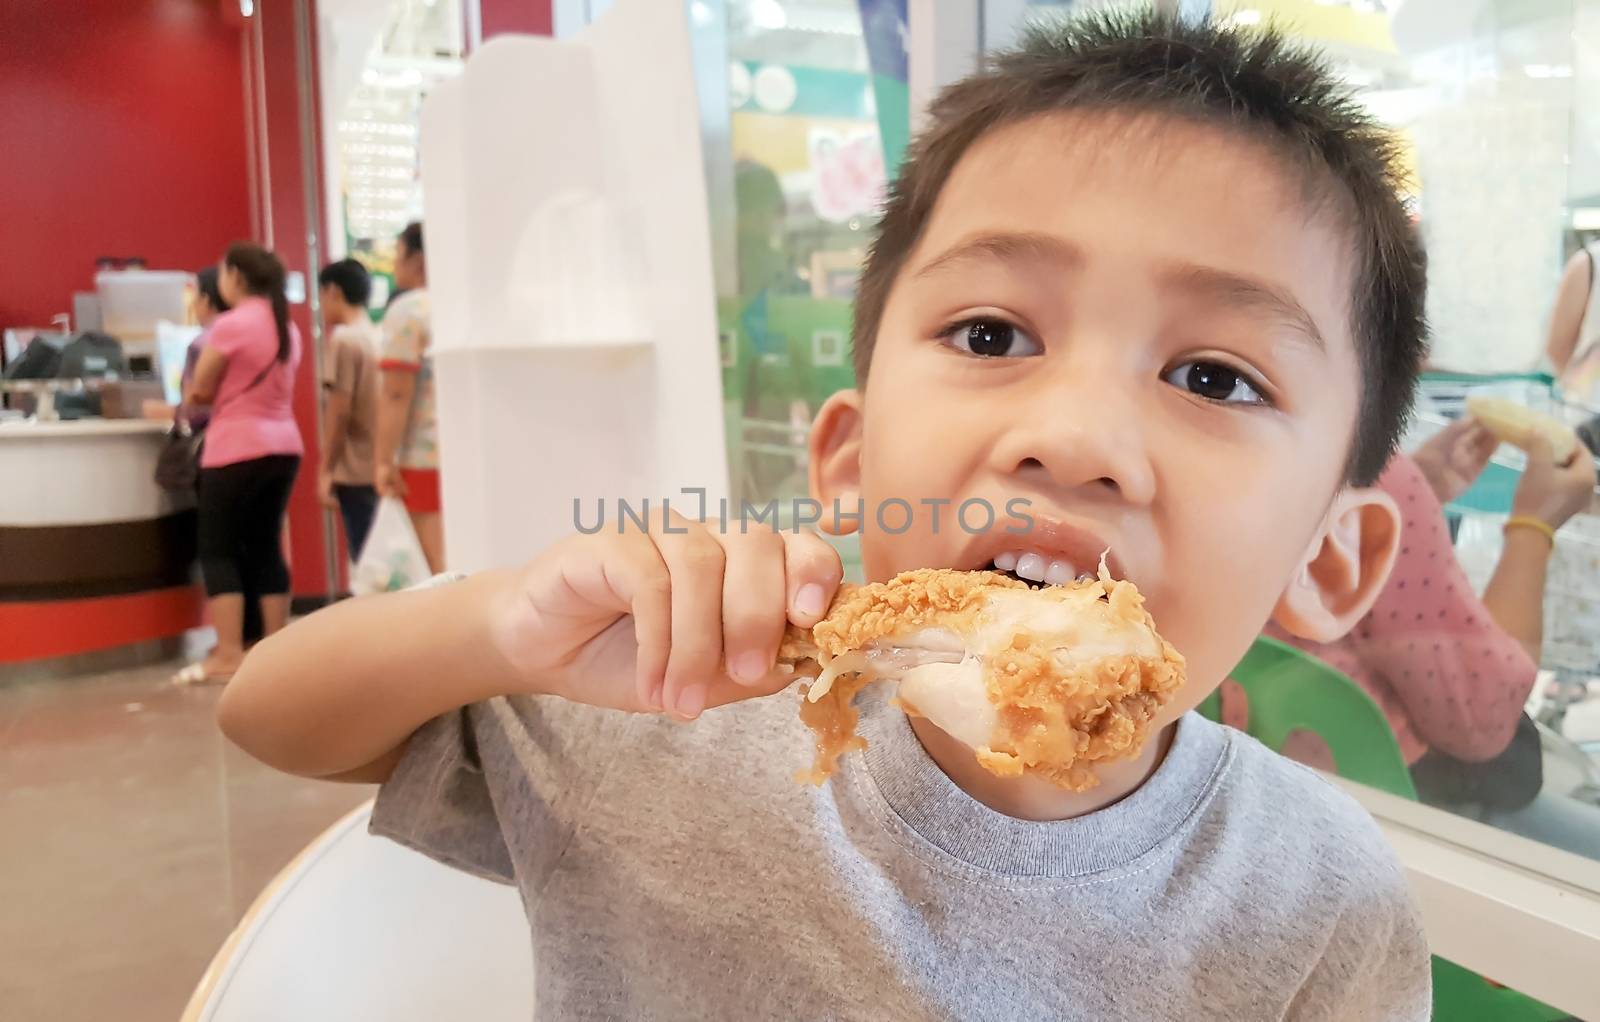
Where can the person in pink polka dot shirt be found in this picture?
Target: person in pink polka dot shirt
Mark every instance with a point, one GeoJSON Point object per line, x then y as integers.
{"type": "Point", "coordinates": [1451, 670]}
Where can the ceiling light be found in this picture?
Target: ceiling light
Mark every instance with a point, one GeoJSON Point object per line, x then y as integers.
{"type": "Point", "coordinates": [768, 15]}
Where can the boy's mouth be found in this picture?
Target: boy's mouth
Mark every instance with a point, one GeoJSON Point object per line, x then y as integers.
{"type": "Point", "coordinates": [1050, 552]}
{"type": "Point", "coordinates": [1039, 568]}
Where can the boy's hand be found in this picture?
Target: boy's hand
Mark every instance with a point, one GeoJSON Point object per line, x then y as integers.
{"type": "Point", "coordinates": [388, 482]}
{"type": "Point", "coordinates": [325, 491]}
{"type": "Point", "coordinates": [1554, 493]}
{"type": "Point", "coordinates": [676, 619]}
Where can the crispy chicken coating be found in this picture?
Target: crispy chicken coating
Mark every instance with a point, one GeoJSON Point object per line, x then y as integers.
{"type": "Point", "coordinates": [1048, 682]}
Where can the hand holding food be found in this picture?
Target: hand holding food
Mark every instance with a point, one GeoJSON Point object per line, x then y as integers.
{"type": "Point", "coordinates": [1551, 492]}
{"type": "Point", "coordinates": [1517, 425]}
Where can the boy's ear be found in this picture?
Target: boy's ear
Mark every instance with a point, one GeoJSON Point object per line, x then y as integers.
{"type": "Point", "coordinates": [1345, 569]}
{"type": "Point", "coordinates": [835, 458]}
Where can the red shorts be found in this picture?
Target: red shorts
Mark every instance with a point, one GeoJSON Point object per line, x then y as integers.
{"type": "Point", "coordinates": [422, 490]}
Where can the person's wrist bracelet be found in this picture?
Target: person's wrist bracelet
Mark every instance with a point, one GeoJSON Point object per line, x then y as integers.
{"type": "Point", "coordinates": [1530, 522]}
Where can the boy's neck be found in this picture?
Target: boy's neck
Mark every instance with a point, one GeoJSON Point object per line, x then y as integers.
{"type": "Point", "coordinates": [1033, 798]}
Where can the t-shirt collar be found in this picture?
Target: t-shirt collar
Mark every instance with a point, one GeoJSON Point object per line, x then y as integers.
{"type": "Point", "coordinates": [911, 784]}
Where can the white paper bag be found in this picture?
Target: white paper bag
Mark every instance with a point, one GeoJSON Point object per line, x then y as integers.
{"type": "Point", "coordinates": [393, 558]}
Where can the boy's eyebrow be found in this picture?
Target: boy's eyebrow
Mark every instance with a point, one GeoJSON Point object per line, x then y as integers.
{"type": "Point", "coordinates": [1258, 295]}
{"type": "Point", "coordinates": [1006, 246]}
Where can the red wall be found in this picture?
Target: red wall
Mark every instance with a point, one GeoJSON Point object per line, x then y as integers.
{"type": "Point", "coordinates": [526, 17]}
{"type": "Point", "coordinates": [283, 78]}
{"type": "Point", "coordinates": [121, 133]}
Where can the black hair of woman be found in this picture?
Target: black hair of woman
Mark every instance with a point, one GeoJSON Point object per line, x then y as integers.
{"type": "Point", "coordinates": [263, 275]}
{"type": "Point", "coordinates": [205, 282]}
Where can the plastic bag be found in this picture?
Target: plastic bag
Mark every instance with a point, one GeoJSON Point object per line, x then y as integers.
{"type": "Point", "coordinates": [393, 558]}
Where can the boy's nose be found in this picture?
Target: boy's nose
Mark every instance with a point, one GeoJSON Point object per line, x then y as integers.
{"type": "Point", "coordinates": [1083, 433]}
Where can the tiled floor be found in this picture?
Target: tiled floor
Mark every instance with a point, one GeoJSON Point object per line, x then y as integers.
{"type": "Point", "coordinates": [132, 838]}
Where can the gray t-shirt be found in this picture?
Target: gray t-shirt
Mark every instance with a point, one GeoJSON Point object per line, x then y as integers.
{"type": "Point", "coordinates": [678, 871]}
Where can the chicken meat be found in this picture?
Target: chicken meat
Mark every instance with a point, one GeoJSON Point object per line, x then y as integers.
{"type": "Point", "coordinates": [1045, 681]}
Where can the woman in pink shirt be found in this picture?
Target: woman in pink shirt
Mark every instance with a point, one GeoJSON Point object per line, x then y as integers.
{"type": "Point", "coordinates": [251, 455]}
{"type": "Point", "coordinates": [1452, 670]}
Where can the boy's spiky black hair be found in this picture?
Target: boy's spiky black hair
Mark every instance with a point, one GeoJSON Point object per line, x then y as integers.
{"type": "Point", "coordinates": [1250, 80]}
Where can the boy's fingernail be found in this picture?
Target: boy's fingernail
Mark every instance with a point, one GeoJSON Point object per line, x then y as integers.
{"type": "Point", "coordinates": [748, 668]}
{"type": "Point", "coordinates": [692, 700]}
{"type": "Point", "coordinates": [809, 600]}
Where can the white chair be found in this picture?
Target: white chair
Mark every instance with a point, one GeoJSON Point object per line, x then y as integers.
{"type": "Point", "coordinates": [357, 927]}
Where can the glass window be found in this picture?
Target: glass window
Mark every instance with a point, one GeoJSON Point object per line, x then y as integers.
{"type": "Point", "coordinates": [799, 177]}
{"type": "Point", "coordinates": [1492, 697]}
{"type": "Point", "coordinates": [1492, 715]}
{"type": "Point", "coordinates": [379, 62]}
{"type": "Point", "coordinates": [1492, 689]}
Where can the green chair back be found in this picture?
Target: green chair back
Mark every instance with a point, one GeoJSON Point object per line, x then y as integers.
{"type": "Point", "coordinates": [1290, 691]}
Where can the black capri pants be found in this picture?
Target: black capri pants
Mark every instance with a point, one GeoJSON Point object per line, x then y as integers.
{"type": "Point", "coordinates": [241, 525]}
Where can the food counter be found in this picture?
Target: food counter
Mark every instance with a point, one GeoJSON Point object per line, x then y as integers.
{"type": "Point", "coordinates": [94, 556]}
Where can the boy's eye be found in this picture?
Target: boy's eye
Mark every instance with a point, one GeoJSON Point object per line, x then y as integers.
{"type": "Point", "coordinates": [991, 338]}
{"type": "Point", "coordinates": [1215, 382]}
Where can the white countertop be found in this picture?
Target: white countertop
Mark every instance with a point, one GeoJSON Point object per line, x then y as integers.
{"type": "Point", "coordinates": [27, 429]}
{"type": "Point", "coordinates": [82, 472]}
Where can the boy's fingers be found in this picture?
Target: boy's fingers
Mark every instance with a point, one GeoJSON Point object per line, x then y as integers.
{"type": "Point", "coordinates": [634, 571]}
{"type": "Point", "coordinates": [695, 561]}
{"type": "Point", "coordinates": [754, 603]}
{"type": "Point", "coordinates": [774, 681]}
{"type": "Point", "coordinates": [813, 572]}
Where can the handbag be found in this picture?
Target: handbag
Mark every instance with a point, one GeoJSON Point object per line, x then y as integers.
{"type": "Point", "coordinates": [178, 464]}
{"type": "Point", "coordinates": [1505, 783]}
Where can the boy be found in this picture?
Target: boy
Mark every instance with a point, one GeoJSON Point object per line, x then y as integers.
{"type": "Point", "coordinates": [350, 383]}
{"type": "Point", "coordinates": [408, 442]}
{"type": "Point", "coordinates": [1149, 276]}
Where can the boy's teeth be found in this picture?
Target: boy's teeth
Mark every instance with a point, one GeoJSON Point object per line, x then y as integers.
{"type": "Point", "coordinates": [1037, 567]}
{"type": "Point", "coordinates": [1032, 567]}
{"type": "Point", "coordinates": [1059, 573]}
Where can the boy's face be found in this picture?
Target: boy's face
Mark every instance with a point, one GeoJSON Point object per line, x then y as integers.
{"type": "Point", "coordinates": [408, 268]}
{"type": "Point", "coordinates": [332, 302]}
{"type": "Point", "coordinates": [1171, 373]}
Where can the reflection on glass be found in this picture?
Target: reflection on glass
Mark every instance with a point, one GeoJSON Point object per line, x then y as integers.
{"type": "Point", "coordinates": [1484, 650]}
{"type": "Point", "coordinates": [1492, 713]}
{"type": "Point", "coordinates": [380, 61]}
{"type": "Point", "coordinates": [808, 174]}
{"type": "Point", "coordinates": [1483, 653]}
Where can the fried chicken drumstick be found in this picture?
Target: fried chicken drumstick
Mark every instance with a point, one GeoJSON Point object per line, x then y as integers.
{"type": "Point", "coordinates": [1049, 682]}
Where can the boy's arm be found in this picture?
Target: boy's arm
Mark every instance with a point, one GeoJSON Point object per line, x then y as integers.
{"type": "Point", "coordinates": [396, 392]}
{"type": "Point", "coordinates": [338, 419]}
{"type": "Point", "coordinates": [630, 621]}
{"type": "Point", "coordinates": [399, 360]}
{"type": "Point", "coordinates": [339, 384]}
{"type": "Point", "coordinates": [337, 695]}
